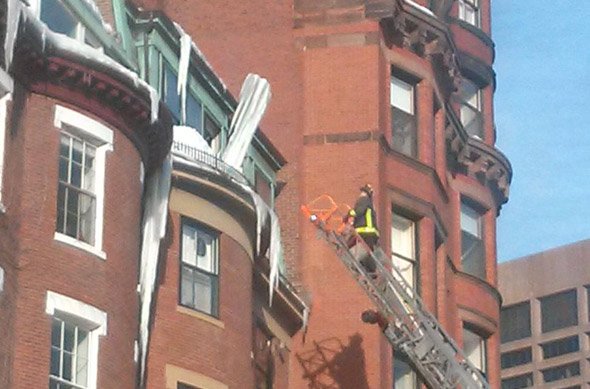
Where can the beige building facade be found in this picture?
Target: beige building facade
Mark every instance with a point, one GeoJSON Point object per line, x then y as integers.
{"type": "Point", "coordinates": [545, 324]}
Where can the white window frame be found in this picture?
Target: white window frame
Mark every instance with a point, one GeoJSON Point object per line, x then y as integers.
{"type": "Point", "coordinates": [102, 136]}
{"type": "Point", "coordinates": [3, 125]}
{"type": "Point", "coordinates": [85, 315]}
{"type": "Point", "coordinates": [475, 7]}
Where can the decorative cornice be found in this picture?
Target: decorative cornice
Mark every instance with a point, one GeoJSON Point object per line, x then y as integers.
{"type": "Point", "coordinates": [426, 36]}
{"type": "Point", "coordinates": [477, 159]}
{"type": "Point", "coordinates": [90, 83]}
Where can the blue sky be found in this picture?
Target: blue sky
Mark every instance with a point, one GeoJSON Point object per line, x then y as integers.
{"type": "Point", "coordinates": [542, 114]}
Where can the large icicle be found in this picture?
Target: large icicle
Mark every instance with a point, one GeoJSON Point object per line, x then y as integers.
{"type": "Point", "coordinates": [154, 228]}
{"type": "Point", "coordinates": [12, 20]}
{"type": "Point", "coordinates": [274, 254]}
{"type": "Point", "coordinates": [185, 55]}
{"type": "Point", "coordinates": [254, 98]}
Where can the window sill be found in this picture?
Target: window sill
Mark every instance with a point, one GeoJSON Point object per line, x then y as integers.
{"type": "Point", "coordinates": [79, 245]}
{"type": "Point", "coordinates": [200, 316]}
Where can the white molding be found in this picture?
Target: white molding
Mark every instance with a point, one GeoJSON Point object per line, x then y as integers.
{"type": "Point", "coordinates": [1, 279]}
{"type": "Point", "coordinates": [83, 123]}
{"type": "Point", "coordinates": [103, 138]}
{"type": "Point", "coordinates": [91, 317]}
{"type": "Point", "coordinates": [63, 238]}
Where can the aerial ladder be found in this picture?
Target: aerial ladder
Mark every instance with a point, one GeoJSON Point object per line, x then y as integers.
{"type": "Point", "coordinates": [403, 317]}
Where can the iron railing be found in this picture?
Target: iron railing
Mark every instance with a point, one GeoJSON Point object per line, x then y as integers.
{"type": "Point", "coordinates": [199, 156]}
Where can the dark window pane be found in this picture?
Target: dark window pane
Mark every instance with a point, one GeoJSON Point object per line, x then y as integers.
{"type": "Point", "coordinates": [170, 92]}
{"type": "Point", "coordinates": [56, 332]}
{"type": "Point", "coordinates": [403, 132]}
{"type": "Point", "coordinates": [186, 287]}
{"type": "Point", "coordinates": [516, 358]}
{"type": "Point", "coordinates": [561, 372]}
{"type": "Point", "coordinates": [58, 18]}
{"type": "Point", "coordinates": [559, 311]}
{"type": "Point", "coordinates": [55, 357]}
{"type": "Point", "coordinates": [521, 381]}
{"type": "Point", "coordinates": [194, 113]}
{"type": "Point", "coordinates": [473, 255]}
{"type": "Point", "coordinates": [561, 347]}
{"type": "Point", "coordinates": [67, 366]}
{"type": "Point", "coordinates": [515, 322]}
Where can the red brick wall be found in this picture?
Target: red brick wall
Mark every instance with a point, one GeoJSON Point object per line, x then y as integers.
{"type": "Point", "coordinates": [191, 343]}
{"type": "Point", "coordinates": [36, 263]}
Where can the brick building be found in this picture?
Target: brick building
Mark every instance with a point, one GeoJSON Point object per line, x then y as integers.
{"type": "Point", "coordinates": [395, 93]}
{"type": "Point", "coordinates": [398, 94]}
{"type": "Point", "coordinates": [545, 319]}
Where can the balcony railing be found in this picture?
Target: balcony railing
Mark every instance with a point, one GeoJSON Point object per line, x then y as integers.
{"type": "Point", "coordinates": [203, 157]}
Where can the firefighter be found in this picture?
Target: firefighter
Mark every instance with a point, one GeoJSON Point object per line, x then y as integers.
{"type": "Point", "coordinates": [365, 222]}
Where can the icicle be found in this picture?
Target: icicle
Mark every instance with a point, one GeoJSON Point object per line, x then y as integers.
{"type": "Point", "coordinates": [254, 98]}
{"type": "Point", "coordinates": [154, 229]}
{"type": "Point", "coordinates": [305, 319]}
{"type": "Point", "coordinates": [274, 255]}
{"type": "Point", "coordinates": [185, 55]}
{"type": "Point", "coordinates": [262, 212]}
{"type": "Point", "coordinates": [12, 21]}
{"type": "Point", "coordinates": [155, 104]}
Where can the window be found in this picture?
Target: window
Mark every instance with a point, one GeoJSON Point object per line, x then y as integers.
{"type": "Point", "coordinates": [60, 19]}
{"type": "Point", "coordinates": [263, 360]}
{"type": "Point", "coordinates": [560, 347]}
{"type": "Point", "coordinates": [403, 375]}
{"type": "Point", "coordinates": [212, 133]}
{"type": "Point", "coordinates": [515, 322]}
{"type": "Point", "coordinates": [559, 311]}
{"type": "Point", "coordinates": [474, 347]}
{"type": "Point", "coordinates": [263, 187]}
{"type": "Point", "coordinates": [75, 331]}
{"type": "Point", "coordinates": [472, 248]}
{"type": "Point", "coordinates": [76, 198]}
{"type": "Point", "coordinates": [69, 355]}
{"type": "Point", "coordinates": [561, 372]}
{"type": "Point", "coordinates": [80, 194]}
{"type": "Point", "coordinates": [471, 109]}
{"type": "Point", "coordinates": [469, 12]}
{"type": "Point", "coordinates": [403, 117]}
{"type": "Point", "coordinates": [403, 247]}
{"type": "Point", "coordinates": [169, 91]}
{"type": "Point", "coordinates": [517, 382]}
{"type": "Point", "coordinates": [516, 358]}
{"type": "Point", "coordinates": [199, 285]}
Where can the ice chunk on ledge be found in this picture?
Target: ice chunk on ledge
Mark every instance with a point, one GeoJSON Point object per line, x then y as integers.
{"type": "Point", "coordinates": [420, 7]}
{"type": "Point", "coordinates": [184, 135]}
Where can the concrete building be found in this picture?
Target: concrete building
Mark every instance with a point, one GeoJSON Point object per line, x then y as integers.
{"type": "Point", "coordinates": [395, 93]}
{"type": "Point", "coordinates": [545, 322]}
